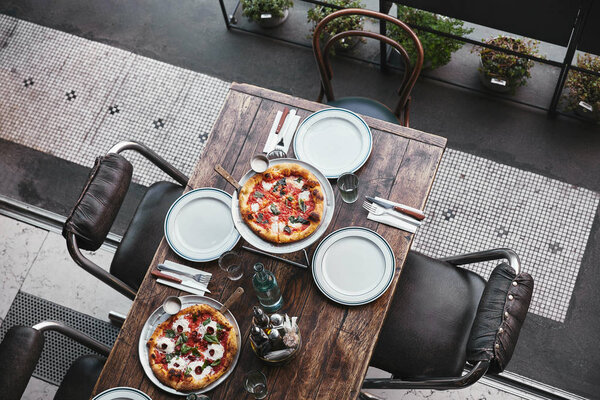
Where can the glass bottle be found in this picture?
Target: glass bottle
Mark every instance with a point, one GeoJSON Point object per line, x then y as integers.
{"type": "Point", "coordinates": [266, 288]}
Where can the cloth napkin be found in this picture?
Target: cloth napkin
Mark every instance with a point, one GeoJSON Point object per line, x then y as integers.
{"type": "Point", "coordinates": [287, 131]}
{"type": "Point", "coordinates": [182, 268]}
{"type": "Point", "coordinates": [399, 220]}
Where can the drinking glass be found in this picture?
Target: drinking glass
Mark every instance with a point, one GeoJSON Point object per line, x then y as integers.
{"type": "Point", "coordinates": [348, 185]}
{"type": "Point", "coordinates": [255, 382]}
{"type": "Point", "coordinates": [230, 262]}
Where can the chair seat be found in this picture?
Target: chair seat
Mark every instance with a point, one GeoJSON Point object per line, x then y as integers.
{"type": "Point", "coordinates": [144, 233]}
{"type": "Point", "coordinates": [362, 105]}
{"type": "Point", "coordinates": [80, 379]}
{"type": "Point", "coordinates": [427, 328]}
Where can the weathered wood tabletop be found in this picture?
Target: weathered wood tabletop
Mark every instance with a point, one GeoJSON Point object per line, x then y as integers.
{"type": "Point", "coordinates": [337, 340]}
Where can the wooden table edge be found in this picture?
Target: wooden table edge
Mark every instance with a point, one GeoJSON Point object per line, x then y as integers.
{"type": "Point", "coordinates": [409, 133]}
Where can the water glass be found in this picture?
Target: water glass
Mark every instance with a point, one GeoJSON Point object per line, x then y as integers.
{"type": "Point", "coordinates": [230, 262]}
{"type": "Point", "coordinates": [348, 185]}
{"type": "Point", "coordinates": [255, 383]}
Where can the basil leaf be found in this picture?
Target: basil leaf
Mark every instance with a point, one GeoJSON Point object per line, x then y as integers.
{"type": "Point", "coordinates": [206, 321]}
{"type": "Point", "coordinates": [293, 219]}
{"type": "Point", "coordinates": [281, 182]}
{"type": "Point", "coordinates": [185, 348]}
{"type": "Point", "coordinates": [181, 339]}
{"type": "Point", "coordinates": [290, 198]}
{"type": "Point", "coordinates": [188, 371]}
{"type": "Point", "coordinates": [258, 195]}
{"type": "Point", "coordinates": [287, 229]}
{"type": "Point", "coordinates": [169, 357]}
{"type": "Point", "coordinates": [216, 363]}
{"type": "Point", "coordinates": [299, 179]}
{"type": "Point", "coordinates": [219, 326]}
{"type": "Point", "coordinates": [195, 351]}
{"type": "Point", "coordinates": [282, 193]}
{"type": "Point", "coordinates": [194, 317]}
{"type": "Point", "coordinates": [170, 333]}
{"type": "Point", "coordinates": [302, 205]}
{"type": "Point", "coordinates": [211, 338]}
{"type": "Point", "coordinates": [274, 209]}
{"type": "Point", "coordinates": [206, 364]}
{"type": "Point", "coordinates": [261, 218]}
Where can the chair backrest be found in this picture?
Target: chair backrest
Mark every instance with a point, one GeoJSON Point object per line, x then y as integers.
{"type": "Point", "coordinates": [500, 315]}
{"type": "Point", "coordinates": [20, 351]}
{"type": "Point", "coordinates": [100, 201]}
{"type": "Point", "coordinates": [411, 72]}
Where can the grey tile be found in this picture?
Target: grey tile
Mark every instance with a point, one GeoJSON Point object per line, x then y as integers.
{"type": "Point", "coordinates": [37, 389]}
{"type": "Point", "coordinates": [54, 276]}
{"type": "Point", "coordinates": [19, 246]}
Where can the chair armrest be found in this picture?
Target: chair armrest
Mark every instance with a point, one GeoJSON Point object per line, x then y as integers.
{"type": "Point", "coordinates": [74, 334]}
{"type": "Point", "coordinates": [95, 270]}
{"type": "Point", "coordinates": [438, 384]}
{"type": "Point", "coordinates": [153, 157]}
{"type": "Point", "coordinates": [19, 351]}
{"type": "Point", "coordinates": [488, 255]}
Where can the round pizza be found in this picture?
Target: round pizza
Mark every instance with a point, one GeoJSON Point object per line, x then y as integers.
{"type": "Point", "coordinates": [192, 348]}
{"type": "Point", "coordinates": [283, 204]}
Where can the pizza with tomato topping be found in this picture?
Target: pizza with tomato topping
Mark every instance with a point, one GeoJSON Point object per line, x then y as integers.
{"type": "Point", "coordinates": [192, 348]}
{"type": "Point", "coordinates": [283, 204]}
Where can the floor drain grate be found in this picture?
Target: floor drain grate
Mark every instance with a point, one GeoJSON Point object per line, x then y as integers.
{"type": "Point", "coordinates": [59, 351]}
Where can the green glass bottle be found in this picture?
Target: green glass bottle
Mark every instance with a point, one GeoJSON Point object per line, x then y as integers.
{"type": "Point", "coordinates": [266, 288]}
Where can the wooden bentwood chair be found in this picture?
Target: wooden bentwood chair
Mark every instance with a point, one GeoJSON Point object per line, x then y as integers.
{"type": "Point", "coordinates": [21, 349]}
{"type": "Point", "coordinates": [362, 105]}
{"type": "Point", "coordinates": [444, 318]}
{"type": "Point", "coordinates": [94, 213]}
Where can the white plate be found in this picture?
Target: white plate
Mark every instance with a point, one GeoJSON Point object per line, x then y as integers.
{"type": "Point", "coordinates": [199, 227]}
{"type": "Point", "coordinates": [334, 140]}
{"type": "Point", "coordinates": [353, 266]}
{"type": "Point", "coordinates": [284, 248]}
{"type": "Point", "coordinates": [158, 317]}
{"type": "Point", "coordinates": [122, 393]}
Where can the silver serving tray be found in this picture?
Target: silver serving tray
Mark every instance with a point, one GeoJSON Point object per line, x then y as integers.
{"type": "Point", "coordinates": [284, 248]}
{"type": "Point", "coordinates": [158, 317]}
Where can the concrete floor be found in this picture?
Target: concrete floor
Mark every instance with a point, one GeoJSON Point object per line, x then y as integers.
{"type": "Point", "coordinates": [193, 35]}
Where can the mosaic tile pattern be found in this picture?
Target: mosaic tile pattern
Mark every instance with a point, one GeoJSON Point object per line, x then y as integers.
{"type": "Point", "coordinates": [75, 98]}
{"type": "Point", "coordinates": [477, 204]}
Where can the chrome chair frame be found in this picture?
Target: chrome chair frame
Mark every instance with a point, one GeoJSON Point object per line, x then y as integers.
{"type": "Point", "coordinates": [92, 267]}
{"type": "Point", "coordinates": [479, 369]}
{"type": "Point", "coordinates": [74, 334]}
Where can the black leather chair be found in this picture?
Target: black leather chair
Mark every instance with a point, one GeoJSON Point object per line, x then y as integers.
{"type": "Point", "coordinates": [21, 349]}
{"type": "Point", "coordinates": [444, 318]}
{"type": "Point", "coordinates": [362, 105]}
{"type": "Point", "coordinates": [94, 213]}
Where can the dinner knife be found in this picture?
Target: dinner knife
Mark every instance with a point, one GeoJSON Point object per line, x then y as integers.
{"type": "Point", "coordinates": [408, 211]}
{"type": "Point", "coordinates": [185, 282]}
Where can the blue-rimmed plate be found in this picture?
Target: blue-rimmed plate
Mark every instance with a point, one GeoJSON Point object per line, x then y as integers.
{"type": "Point", "coordinates": [334, 140]}
{"type": "Point", "coordinates": [119, 393]}
{"type": "Point", "coordinates": [199, 227]}
{"type": "Point", "coordinates": [353, 266]}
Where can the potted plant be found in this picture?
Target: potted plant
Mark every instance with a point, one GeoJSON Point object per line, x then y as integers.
{"type": "Point", "coordinates": [437, 49]}
{"type": "Point", "coordinates": [583, 90]}
{"type": "Point", "coordinates": [353, 22]}
{"type": "Point", "coordinates": [267, 13]}
{"type": "Point", "coordinates": [503, 72]}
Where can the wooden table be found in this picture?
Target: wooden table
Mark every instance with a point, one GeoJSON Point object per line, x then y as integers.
{"type": "Point", "coordinates": [337, 340]}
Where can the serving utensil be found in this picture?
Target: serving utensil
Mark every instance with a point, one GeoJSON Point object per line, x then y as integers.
{"type": "Point", "coordinates": [230, 179]}
{"type": "Point", "coordinates": [231, 299]}
{"type": "Point", "coordinates": [403, 209]}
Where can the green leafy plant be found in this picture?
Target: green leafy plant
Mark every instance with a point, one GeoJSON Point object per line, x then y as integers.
{"type": "Point", "coordinates": [253, 9]}
{"type": "Point", "coordinates": [437, 49]}
{"type": "Point", "coordinates": [582, 86]}
{"type": "Point", "coordinates": [513, 69]}
{"type": "Point", "coordinates": [353, 22]}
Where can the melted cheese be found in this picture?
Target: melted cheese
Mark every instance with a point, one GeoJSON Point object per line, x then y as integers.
{"type": "Point", "coordinates": [184, 323]}
{"type": "Point", "coordinates": [281, 226]}
{"type": "Point", "coordinates": [295, 225]}
{"type": "Point", "coordinates": [170, 343]}
{"type": "Point", "coordinates": [295, 183]}
{"type": "Point", "coordinates": [212, 324]}
{"type": "Point", "coordinates": [304, 196]}
{"type": "Point", "coordinates": [178, 363]}
{"type": "Point", "coordinates": [274, 227]}
{"type": "Point", "coordinates": [206, 371]}
{"type": "Point", "coordinates": [267, 186]}
{"type": "Point", "coordinates": [254, 207]}
{"type": "Point", "coordinates": [201, 329]}
{"type": "Point", "coordinates": [218, 354]}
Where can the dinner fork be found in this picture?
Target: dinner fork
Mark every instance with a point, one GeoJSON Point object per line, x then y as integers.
{"type": "Point", "coordinates": [375, 209]}
{"type": "Point", "coordinates": [201, 277]}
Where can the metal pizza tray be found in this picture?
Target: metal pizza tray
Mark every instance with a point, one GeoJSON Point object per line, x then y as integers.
{"type": "Point", "coordinates": [284, 248]}
{"type": "Point", "coordinates": [158, 317]}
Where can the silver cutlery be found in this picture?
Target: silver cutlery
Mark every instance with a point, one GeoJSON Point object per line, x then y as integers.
{"type": "Point", "coordinates": [375, 209]}
{"type": "Point", "coordinates": [201, 277]}
{"type": "Point", "coordinates": [286, 110]}
{"type": "Point", "coordinates": [403, 209]}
